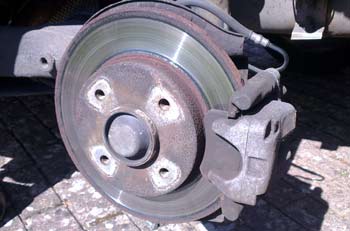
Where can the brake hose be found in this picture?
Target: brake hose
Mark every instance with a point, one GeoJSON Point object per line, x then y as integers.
{"type": "Point", "coordinates": [239, 28]}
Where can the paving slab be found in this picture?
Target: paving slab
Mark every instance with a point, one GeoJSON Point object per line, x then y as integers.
{"type": "Point", "coordinates": [120, 222]}
{"type": "Point", "coordinates": [13, 224]}
{"type": "Point", "coordinates": [51, 220]}
{"type": "Point", "coordinates": [11, 220]}
{"type": "Point", "coordinates": [265, 217]}
{"type": "Point", "coordinates": [12, 155]}
{"type": "Point", "coordinates": [88, 206]}
{"type": "Point", "coordinates": [28, 191]}
{"type": "Point", "coordinates": [312, 193]}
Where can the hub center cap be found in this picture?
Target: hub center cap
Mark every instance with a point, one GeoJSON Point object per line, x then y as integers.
{"type": "Point", "coordinates": [129, 137]}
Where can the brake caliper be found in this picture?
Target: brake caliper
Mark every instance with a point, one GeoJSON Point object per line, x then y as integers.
{"type": "Point", "coordinates": [241, 143]}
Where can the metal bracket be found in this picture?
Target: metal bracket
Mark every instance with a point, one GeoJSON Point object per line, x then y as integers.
{"type": "Point", "coordinates": [300, 33]}
{"type": "Point", "coordinates": [32, 51]}
{"type": "Point", "coordinates": [240, 151]}
{"type": "Point", "coordinates": [250, 144]}
{"type": "Point", "coordinates": [310, 19]}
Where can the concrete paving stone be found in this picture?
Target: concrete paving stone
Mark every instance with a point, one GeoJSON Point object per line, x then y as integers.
{"type": "Point", "coordinates": [12, 155]}
{"type": "Point", "coordinates": [46, 200]}
{"type": "Point", "coordinates": [54, 219]}
{"type": "Point", "coordinates": [280, 194]}
{"type": "Point", "coordinates": [143, 224]}
{"type": "Point", "coordinates": [226, 226]}
{"type": "Point", "coordinates": [338, 85]}
{"type": "Point", "coordinates": [337, 97]}
{"type": "Point", "coordinates": [177, 227]}
{"type": "Point", "coordinates": [265, 217]}
{"type": "Point", "coordinates": [58, 170]}
{"type": "Point", "coordinates": [87, 205]}
{"type": "Point", "coordinates": [6, 102]}
{"type": "Point", "coordinates": [318, 81]}
{"type": "Point", "coordinates": [341, 166]}
{"type": "Point", "coordinates": [57, 165]}
{"type": "Point", "coordinates": [120, 222]}
{"type": "Point", "coordinates": [332, 222]}
{"type": "Point", "coordinates": [309, 155]}
{"type": "Point", "coordinates": [28, 191]}
{"type": "Point", "coordinates": [334, 195]}
{"type": "Point", "coordinates": [13, 225]}
{"type": "Point", "coordinates": [43, 107]}
{"type": "Point", "coordinates": [319, 106]}
{"type": "Point", "coordinates": [318, 170]}
{"type": "Point", "coordinates": [320, 120]}
{"type": "Point", "coordinates": [11, 221]}
{"type": "Point", "coordinates": [196, 225]}
{"type": "Point", "coordinates": [33, 136]}
{"type": "Point", "coordinates": [342, 154]}
{"type": "Point", "coordinates": [322, 141]}
{"type": "Point", "coordinates": [339, 114]}
{"type": "Point", "coordinates": [55, 151]}
{"type": "Point", "coordinates": [308, 212]}
{"type": "Point", "coordinates": [16, 115]}
{"type": "Point", "coordinates": [325, 124]}
{"type": "Point", "coordinates": [315, 216]}
{"type": "Point", "coordinates": [48, 154]}
{"type": "Point", "coordinates": [313, 195]}
{"type": "Point", "coordinates": [333, 147]}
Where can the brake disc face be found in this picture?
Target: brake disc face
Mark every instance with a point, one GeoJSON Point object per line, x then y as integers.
{"type": "Point", "coordinates": [130, 98]}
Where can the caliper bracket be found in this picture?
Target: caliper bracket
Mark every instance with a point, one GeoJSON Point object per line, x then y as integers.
{"type": "Point", "coordinates": [240, 152]}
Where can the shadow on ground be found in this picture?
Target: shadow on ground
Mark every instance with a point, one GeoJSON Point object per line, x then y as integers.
{"type": "Point", "coordinates": [318, 87]}
{"type": "Point", "coordinates": [33, 158]}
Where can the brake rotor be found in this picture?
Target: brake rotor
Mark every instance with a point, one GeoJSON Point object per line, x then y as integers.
{"type": "Point", "coordinates": [131, 95]}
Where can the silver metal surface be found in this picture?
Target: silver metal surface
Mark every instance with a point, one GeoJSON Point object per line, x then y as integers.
{"type": "Point", "coordinates": [183, 52]}
{"type": "Point", "coordinates": [259, 39]}
{"type": "Point", "coordinates": [300, 33]}
{"type": "Point", "coordinates": [159, 38]}
{"type": "Point", "coordinates": [33, 51]}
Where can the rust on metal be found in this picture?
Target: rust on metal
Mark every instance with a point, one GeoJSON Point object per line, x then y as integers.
{"type": "Point", "coordinates": [166, 73]}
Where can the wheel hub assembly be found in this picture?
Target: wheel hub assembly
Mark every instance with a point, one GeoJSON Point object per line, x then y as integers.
{"type": "Point", "coordinates": [131, 97]}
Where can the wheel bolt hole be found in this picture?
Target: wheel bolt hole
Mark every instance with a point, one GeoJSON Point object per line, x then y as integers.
{"type": "Point", "coordinates": [44, 62]}
{"type": "Point", "coordinates": [99, 94]}
{"type": "Point", "coordinates": [164, 104]}
{"type": "Point", "coordinates": [163, 172]}
{"type": "Point", "coordinates": [104, 160]}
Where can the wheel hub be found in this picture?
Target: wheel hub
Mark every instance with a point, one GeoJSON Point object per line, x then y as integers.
{"type": "Point", "coordinates": [139, 101]}
{"type": "Point", "coordinates": [131, 97]}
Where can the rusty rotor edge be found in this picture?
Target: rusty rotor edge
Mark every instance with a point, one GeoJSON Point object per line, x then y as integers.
{"type": "Point", "coordinates": [191, 28]}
